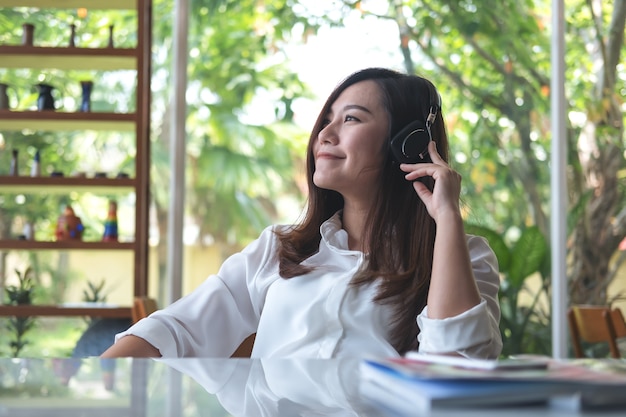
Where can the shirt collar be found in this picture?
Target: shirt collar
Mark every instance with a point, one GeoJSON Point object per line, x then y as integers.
{"type": "Point", "coordinates": [334, 236]}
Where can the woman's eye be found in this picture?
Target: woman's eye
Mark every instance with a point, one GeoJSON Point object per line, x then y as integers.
{"type": "Point", "coordinates": [350, 118]}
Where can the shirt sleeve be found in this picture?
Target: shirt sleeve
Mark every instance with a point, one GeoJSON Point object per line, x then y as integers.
{"type": "Point", "coordinates": [474, 333]}
{"type": "Point", "coordinates": [217, 316]}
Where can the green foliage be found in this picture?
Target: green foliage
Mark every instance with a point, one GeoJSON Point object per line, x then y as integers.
{"type": "Point", "coordinates": [20, 294]}
{"type": "Point", "coordinates": [30, 378]}
{"type": "Point", "coordinates": [18, 327]}
{"type": "Point", "coordinates": [239, 163]}
{"type": "Point", "coordinates": [95, 292]}
{"type": "Point", "coordinates": [524, 322]}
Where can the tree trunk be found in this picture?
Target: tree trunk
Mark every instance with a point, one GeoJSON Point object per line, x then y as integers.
{"type": "Point", "coordinates": [600, 228]}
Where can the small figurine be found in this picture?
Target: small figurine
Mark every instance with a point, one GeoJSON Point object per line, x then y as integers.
{"type": "Point", "coordinates": [69, 226]}
{"type": "Point", "coordinates": [110, 224]}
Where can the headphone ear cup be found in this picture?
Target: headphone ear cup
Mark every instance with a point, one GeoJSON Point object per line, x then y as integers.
{"type": "Point", "coordinates": [410, 145]}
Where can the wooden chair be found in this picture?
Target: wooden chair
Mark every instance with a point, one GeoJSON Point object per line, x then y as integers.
{"type": "Point", "coordinates": [595, 324]}
{"type": "Point", "coordinates": [143, 307]}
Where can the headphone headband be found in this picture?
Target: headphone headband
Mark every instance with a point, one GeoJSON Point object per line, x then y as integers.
{"type": "Point", "coordinates": [435, 103]}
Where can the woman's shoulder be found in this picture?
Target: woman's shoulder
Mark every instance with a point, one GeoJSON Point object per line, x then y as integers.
{"type": "Point", "coordinates": [281, 227]}
{"type": "Point", "coordinates": [268, 239]}
{"type": "Point", "coordinates": [270, 232]}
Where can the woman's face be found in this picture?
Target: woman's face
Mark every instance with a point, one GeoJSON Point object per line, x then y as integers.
{"type": "Point", "coordinates": [350, 149]}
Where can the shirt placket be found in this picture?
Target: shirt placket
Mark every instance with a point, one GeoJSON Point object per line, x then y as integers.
{"type": "Point", "coordinates": [333, 309]}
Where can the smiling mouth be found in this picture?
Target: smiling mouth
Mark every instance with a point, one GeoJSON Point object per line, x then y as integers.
{"type": "Point", "coordinates": [325, 155]}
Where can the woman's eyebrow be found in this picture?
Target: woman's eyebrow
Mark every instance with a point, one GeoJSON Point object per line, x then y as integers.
{"type": "Point", "coordinates": [349, 107]}
{"type": "Point", "coordinates": [357, 107]}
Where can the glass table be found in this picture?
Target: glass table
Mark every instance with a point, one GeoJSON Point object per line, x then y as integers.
{"type": "Point", "coordinates": [209, 387]}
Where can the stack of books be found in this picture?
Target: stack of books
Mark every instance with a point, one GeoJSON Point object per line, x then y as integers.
{"type": "Point", "coordinates": [421, 382]}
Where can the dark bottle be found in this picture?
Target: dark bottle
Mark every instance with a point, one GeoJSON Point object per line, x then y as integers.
{"type": "Point", "coordinates": [45, 101]}
{"type": "Point", "coordinates": [85, 104]}
{"type": "Point", "coordinates": [14, 170]}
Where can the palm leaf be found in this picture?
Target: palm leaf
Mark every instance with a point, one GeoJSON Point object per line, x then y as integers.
{"type": "Point", "coordinates": [528, 255]}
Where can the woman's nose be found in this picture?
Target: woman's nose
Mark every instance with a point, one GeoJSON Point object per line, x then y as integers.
{"type": "Point", "coordinates": [327, 134]}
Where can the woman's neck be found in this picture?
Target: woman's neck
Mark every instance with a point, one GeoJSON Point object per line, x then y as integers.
{"type": "Point", "coordinates": [354, 223]}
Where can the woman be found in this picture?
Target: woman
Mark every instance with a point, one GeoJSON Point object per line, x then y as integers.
{"type": "Point", "coordinates": [380, 263]}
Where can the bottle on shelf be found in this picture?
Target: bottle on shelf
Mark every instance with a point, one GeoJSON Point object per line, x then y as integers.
{"type": "Point", "coordinates": [28, 32]}
{"type": "Point", "coordinates": [29, 231]}
{"type": "Point", "coordinates": [4, 97]}
{"type": "Point", "coordinates": [85, 104]}
{"type": "Point", "coordinates": [110, 44]}
{"type": "Point", "coordinates": [35, 169]}
{"type": "Point", "coordinates": [14, 170]}
{"type": "Point", "coordinates": [72, 42]}
{"type": "Point", "coordinates": [45, 101]}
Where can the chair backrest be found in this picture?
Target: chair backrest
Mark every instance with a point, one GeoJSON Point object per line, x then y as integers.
{"type": "Point", "coordinates": [595, 324]}
{"type": "Point", "coordinates": [143, 307]}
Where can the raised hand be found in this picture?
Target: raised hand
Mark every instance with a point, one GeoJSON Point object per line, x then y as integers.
{"type": "Point", "coordinates": [444, 199]}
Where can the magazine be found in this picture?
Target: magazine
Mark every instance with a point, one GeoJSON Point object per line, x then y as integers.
{"type": "Point", "coordinates": [519, 363]}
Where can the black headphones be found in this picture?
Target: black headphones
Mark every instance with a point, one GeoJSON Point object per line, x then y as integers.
{"type": "Point", "coordinates": [410, 145]}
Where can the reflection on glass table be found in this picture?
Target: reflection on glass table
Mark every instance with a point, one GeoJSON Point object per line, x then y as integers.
{"type": "Point", "coordinates": [211, 387]}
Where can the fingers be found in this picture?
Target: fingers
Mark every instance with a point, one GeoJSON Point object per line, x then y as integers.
{"type": "Point", "coordinates": [445, 194]}
{"type": "Point", "coordinates": [434, 155]}
{"type": "Point", "coordinates": [422, 169]}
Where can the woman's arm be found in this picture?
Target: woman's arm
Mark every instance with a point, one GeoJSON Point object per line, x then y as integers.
{"type": "Point", "coordinates": [131, 346]}
{"type": "Point", "coordinates": [474, 333]}
{"type": "Point", "coordinates": [453, 288]}
{"type": "Point", "coordinates": [462, 312]}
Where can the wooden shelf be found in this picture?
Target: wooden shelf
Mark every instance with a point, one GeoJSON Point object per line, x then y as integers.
{"type": "Point", "coordinates": [59, 185]}
{"type": "Point", "coordinates": [72, 4]}
{"type": "Point", "coordinates": [60, 311]}
{"type": "Point", "coordinates": [16, 244]}
{"type": "Point", "coordinates": [44, 57]}
{"type": "Point", "coordinates": [134, 58]}
{"type": "Point", "coordinates": [66, 121]}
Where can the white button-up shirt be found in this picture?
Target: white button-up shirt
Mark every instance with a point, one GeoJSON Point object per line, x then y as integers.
{"type": "Point", "coordinates": [317, 315]}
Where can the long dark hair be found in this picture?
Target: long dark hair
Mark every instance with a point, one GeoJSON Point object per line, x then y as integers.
{"type": "Point", "coordinates": [402, 235]}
